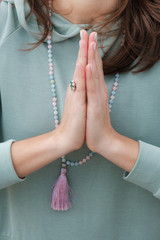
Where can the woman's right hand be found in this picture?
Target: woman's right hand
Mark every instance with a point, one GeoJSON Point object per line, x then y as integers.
{"type": "Point", "coordinates": [71, 130]}
{"type": "Point", "coordinates": [31, 154]}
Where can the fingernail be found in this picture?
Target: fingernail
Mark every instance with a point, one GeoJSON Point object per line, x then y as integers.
{"type": "Point", "coordinates": [81, 34]}
{"type": "Point", "coordinates": [79, 43]}
{"type": "Point", "coordinates": [94, 46]}
{"type": "Point", "coordinates": [95, 37]}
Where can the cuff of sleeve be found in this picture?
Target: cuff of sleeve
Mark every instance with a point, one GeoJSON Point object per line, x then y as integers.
{"type": "Point", "coordinates": [8, 175]}
{"type": "Point", "coordinates": [146, 171]}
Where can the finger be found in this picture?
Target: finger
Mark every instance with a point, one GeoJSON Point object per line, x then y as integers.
{"type": "Point", "coordinates": [90, 85]}
{"type": "Point", "coordinates": [91, 60]}
{"type": "Point", "coordinates": [80, 93]}
{"type": "Point", "coordinates": [80, 81]}
{"type": "Point", "coordinates": [83, 43]}
{"type": "Point", "coordinates": [92, 37]}
{"type": "Point", "coordinates": [83, 53]}
{"type": "Point", "coordinates": [98, 59]}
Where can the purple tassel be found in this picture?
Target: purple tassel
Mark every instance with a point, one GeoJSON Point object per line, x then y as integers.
{"type": "Point", "coordinates": [62, 195]}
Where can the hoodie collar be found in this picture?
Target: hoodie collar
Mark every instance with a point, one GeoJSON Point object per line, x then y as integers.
{"type": "Point", "coordinates": [62, 28]}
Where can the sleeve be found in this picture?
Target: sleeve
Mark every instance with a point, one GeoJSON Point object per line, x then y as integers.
{"type": "Point", "coordinates": [8, 20]}
{"type": "Point", "coordinates": [8, 174]}
{"type": "Point", "coordinates": [9, 23]}
{"type": "Point", "coordinates": [146, 171]}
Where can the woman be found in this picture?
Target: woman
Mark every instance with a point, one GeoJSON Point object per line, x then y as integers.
{"type": "Point", "coordinates": [107, 133]}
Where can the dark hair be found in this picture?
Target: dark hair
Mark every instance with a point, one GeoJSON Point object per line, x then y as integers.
{"type": "Point", "coordinates": [140, 19]}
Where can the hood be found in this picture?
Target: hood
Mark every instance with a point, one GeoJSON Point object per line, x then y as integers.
{"type": "Point", "coordinates": [63, 29]}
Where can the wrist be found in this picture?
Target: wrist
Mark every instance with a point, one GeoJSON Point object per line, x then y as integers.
{"type": "Point", "coordinates": [120, 150]}
{"type": "Point", "coordinates": [63, 146]}
{"type": "Point", "coordinates": [107, 143]}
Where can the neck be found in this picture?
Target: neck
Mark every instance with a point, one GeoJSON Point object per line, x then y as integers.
{"type": "Point", "coordinates": [84, 11]}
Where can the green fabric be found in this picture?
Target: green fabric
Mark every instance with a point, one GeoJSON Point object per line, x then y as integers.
{"type": "Point", "coordinates": [111, 203]}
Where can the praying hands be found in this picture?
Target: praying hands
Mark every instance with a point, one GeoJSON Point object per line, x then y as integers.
{"type": "Point", "coordinates": [86, 110]}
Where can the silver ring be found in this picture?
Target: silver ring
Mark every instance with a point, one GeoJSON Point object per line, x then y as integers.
{"type": "Point", "coordinates": [73, 85]}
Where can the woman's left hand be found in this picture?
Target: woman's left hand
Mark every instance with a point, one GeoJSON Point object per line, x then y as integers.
{"type": "Point", "coordinates": [98, 124]}
{"type": "Point", "coordinates": [100, 135]}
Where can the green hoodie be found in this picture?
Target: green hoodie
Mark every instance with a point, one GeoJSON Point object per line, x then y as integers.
{"type": "Point", "coordinates": [111, 204]}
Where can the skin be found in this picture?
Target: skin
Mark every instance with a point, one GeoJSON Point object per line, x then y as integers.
{"type": "Point", "coordinates": [92, 93]}
{"type": "Point", "coordinates": [86, 114]}
{"type": "Point", "coordinates": [97, 130]}
{"type": "Point", "coordinates": [84, 11]}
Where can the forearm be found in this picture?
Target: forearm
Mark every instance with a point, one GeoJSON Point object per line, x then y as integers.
{"type": "Point", "coordinates": [121, 150]}
{"type": "Point", "coordinates": [31, 154]}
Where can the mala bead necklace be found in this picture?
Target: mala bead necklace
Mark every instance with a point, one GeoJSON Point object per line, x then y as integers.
{"type": "Point", "coordinates": [61, 195]}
